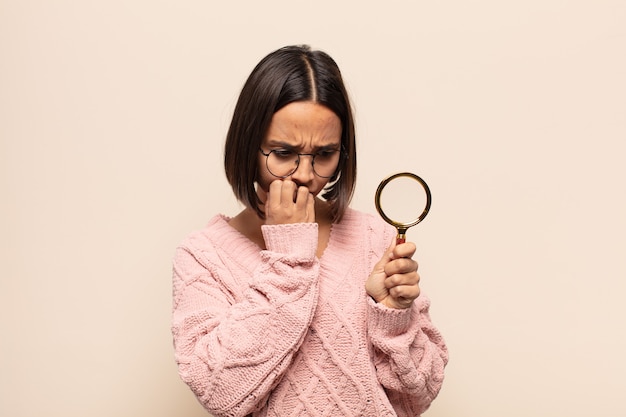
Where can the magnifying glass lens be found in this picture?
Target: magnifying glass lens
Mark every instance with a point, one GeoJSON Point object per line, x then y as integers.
{"type": "Point", "coordinates": [399, 200]}
{"type": "Point", "coordinates": [403, 199]}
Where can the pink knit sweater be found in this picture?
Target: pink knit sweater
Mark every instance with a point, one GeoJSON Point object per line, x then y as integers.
{"type": "Point", "coordinates": [279, 332]}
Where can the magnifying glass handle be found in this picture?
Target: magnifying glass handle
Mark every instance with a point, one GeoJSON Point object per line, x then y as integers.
{"type": "Point", "coordinates": [401, 237]}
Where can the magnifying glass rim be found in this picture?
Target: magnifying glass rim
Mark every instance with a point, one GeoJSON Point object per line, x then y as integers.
{"type": "Point", "coordinates": [384, 183]}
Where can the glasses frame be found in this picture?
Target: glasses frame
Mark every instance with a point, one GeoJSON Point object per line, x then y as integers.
{"type": "Point", "coordinates": [342, 156]}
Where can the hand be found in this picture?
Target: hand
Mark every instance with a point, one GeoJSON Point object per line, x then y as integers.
{"type": "Point", "coordinates": [288, 203]}
{"type": "Point", "coordinates": [394, 282]}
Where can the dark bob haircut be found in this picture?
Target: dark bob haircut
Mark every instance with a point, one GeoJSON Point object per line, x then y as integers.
{"type": "Point", "coordinates": [287, 75]}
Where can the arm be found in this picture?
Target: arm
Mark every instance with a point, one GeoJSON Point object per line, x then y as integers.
{"type": "Point", "coordinates": [409, 354]}
{"type": "Point", "coordinates": [232, 353]}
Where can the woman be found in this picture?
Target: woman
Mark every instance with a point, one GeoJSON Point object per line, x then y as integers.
{"type": "Point", "coordinates": [300, 305]}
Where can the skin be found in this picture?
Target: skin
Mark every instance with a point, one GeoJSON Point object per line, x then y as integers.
{"type": "Point", "coordinates": [394, 281]}
{"type": "Point", "coordinates": [307, 127]}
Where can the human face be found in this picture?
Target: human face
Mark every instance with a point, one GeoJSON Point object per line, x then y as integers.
{"type": "Point", "coordinates": [304, 127]}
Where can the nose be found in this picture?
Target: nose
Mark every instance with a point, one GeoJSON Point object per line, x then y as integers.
{"type": "Point", "coordinates": [304, 174]}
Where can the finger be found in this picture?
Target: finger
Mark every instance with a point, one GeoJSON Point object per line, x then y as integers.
{"type": "Point", "coordinates": [405, 292]}
{"type": "Point", "coordinates": [310, 207]}
{"type": "Point", "coordinates": [287, 195]}
{"type": "Point", "coordinates": [273, 195]}
{"type": "Point", "coordinates": [404, 250]}
{"type": "Point", "coordinates": [400, 266]}
{"type": "Point", "coordinates": [396, 280]}
{"type": "Point", "coordinates": [302, 197]}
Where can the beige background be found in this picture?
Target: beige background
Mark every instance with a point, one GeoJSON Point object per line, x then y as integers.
{"type": "Point", "coordinates": [112, 118]}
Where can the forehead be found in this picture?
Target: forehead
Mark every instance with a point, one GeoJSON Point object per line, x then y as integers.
{"type": "Point", "coordinates": [304, 123]}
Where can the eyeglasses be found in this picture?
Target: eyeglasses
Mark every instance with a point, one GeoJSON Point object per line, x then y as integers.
{"type": "Point", "coordinates": [282, 163]}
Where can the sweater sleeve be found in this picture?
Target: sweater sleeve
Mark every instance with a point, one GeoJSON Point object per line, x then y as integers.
{"type": "Point", "coordinates": [409, 354]}
{"type": "Point", "coordinates": [233, 353]}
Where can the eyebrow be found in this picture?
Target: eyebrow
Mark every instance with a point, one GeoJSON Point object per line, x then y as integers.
{"type": "Point", "coordinates": [281, 144]}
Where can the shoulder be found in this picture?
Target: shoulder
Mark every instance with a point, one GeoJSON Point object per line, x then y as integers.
{"type": "Point", "coordinates": [217, 254]}
{"type": "Point", "coordinates": [204, 238]}
{"type": "Point", "coordinates": [215, 243]}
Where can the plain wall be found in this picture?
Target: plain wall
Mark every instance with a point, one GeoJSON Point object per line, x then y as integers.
{"type": "Point", "coordinates": [112, 120]}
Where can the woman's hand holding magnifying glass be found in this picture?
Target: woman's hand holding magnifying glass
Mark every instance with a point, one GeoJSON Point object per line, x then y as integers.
{"type": "Point", "coordinates": [394, 282]}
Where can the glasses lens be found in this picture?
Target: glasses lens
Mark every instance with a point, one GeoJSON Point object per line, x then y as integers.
{"type": "Point", "coordinates": [325, 163]}
{"type": "Point", "coordinates": [282, 163]}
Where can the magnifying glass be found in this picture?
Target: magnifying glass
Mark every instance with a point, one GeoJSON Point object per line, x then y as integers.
{"type": "Point", "coordinates": [404, 195]}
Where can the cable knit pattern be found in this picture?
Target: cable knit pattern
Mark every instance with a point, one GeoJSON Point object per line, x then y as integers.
{"type": "Point", "coordinates": [279, 332]}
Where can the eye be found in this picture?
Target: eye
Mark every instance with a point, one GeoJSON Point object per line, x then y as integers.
{"type": "Point", "coordinates": [283, 153]}
{"type": "Point", "coordinates": [325, 154]}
